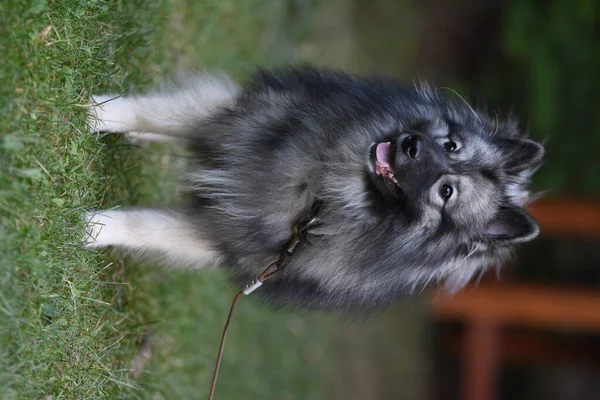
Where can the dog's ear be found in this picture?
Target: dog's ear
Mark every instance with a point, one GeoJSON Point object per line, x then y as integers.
{"type": "Point", "coordinates": [512, 225]}
{"type": "Point", "coordinates": [521, 153]}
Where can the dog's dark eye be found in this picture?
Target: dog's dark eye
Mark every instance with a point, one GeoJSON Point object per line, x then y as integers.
{"type": "Point", "coordinates": [450, 146]}
{"type": "Point", "coordinates": [446, 192]}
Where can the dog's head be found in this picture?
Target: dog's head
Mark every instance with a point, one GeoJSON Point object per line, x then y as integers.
{"type": "Point", "coordinates": [444, 185]}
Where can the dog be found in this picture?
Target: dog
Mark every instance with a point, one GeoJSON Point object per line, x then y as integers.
{"type": "Point", "coordinates": [407, 186]}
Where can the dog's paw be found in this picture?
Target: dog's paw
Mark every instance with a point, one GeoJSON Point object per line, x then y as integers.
{"type": "Point", "coordinates": [111, 113]}
{"type": "Point", "coordinates": [102, 229]}
{"type": "Point", "coordinates": [92, 229]}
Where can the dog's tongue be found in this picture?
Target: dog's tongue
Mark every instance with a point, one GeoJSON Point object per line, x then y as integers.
{"type": "Point", "coordinates": [382, 152]}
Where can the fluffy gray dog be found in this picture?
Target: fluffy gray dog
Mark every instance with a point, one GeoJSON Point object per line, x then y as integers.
{"type": "Point", "coordinates": [408, 187]}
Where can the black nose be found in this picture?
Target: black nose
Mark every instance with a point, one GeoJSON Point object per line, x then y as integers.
{"type": "Point", "coordinates": [412, 146]}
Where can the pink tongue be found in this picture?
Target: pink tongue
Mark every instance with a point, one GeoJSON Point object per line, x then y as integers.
{"type": "Point", "coordinates": [382, 152]}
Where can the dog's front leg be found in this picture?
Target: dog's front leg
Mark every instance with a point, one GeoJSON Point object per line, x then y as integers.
{"type": "Point", "coordinates": [163, 233]}
{"type": "Point", "coordinates": [171, 113]}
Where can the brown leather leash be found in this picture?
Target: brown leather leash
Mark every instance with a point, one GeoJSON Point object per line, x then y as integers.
{"type": "Point", "coordinates": [268, 273]}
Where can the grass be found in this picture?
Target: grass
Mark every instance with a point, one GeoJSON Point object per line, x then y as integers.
{"type": "Point", "coordinates": [71, 321]}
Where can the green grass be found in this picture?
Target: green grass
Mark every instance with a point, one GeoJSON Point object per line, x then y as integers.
{"type": "Point", "coordinates": [71, 320]}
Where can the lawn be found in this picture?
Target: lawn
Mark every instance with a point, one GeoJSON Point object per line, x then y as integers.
{"type": "Point", "coordinates": [76, 324]}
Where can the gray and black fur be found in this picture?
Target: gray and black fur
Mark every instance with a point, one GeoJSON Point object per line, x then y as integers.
{"type": "Point", "coordinates": [299, 140]}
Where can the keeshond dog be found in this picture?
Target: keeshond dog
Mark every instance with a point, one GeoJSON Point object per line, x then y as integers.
{"type": "Point", "coordinates": [407, 186]}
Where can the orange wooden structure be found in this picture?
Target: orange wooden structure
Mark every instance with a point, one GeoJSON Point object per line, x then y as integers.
{"type": "Point", "coordinates": [487, 309]}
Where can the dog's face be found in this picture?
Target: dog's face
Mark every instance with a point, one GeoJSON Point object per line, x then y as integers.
{"type": "Point", "coordinates": [446, 186]}
{"type": "Point", "coordinates": [458, 181]}
{"type": "Point", "coordinates": [445, 173]}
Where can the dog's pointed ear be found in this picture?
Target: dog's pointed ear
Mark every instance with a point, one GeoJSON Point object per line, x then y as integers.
{"type": "Point", "coordinates": [521, 153]}
{"type": "Point", "coordinates": [512, 225]}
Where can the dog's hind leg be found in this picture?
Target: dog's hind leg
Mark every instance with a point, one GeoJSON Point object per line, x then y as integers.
{"type": "Point", "coordinates": [162, 233]}
{"type": "Point", "coordinates": [172, 112]}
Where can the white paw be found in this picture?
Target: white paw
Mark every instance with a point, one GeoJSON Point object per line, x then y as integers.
{"type": "Point", "coordinates": [103, 228]}
{"type": "Point", "coordinates": [111, 113]}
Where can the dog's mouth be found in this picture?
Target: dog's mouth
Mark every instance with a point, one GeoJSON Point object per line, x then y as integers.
{"type": "Point", "coordinates": [383, 156]}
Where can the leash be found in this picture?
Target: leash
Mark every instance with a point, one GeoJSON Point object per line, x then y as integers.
{"type": "Point", "coordinates": [268, 273]}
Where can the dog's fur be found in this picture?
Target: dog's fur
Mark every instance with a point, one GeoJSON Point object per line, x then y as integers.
{"type": "Point", "coordinates": [298, 140]}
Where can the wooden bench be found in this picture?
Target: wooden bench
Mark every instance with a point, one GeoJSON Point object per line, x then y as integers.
{"type": "Point", "coordinates": [487, 309]}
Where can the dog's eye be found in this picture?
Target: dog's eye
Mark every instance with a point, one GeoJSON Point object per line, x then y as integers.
{"type": "Point", "coordinates": [450, 146]}
{"type": "Point", "coordinates": [446, 192]}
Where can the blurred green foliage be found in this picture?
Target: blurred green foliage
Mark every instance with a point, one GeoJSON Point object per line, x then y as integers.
{"type": "Point", "coordinates": [552, 77]}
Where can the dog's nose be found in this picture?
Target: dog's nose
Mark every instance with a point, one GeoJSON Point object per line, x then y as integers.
{"type": "Point", "coordinates": [412, 146]}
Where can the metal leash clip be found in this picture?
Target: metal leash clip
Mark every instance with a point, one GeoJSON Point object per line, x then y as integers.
{"type": "Point", "coordinates": [298, 235]}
